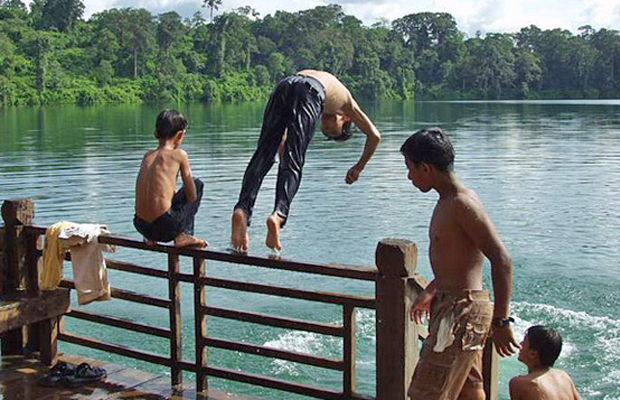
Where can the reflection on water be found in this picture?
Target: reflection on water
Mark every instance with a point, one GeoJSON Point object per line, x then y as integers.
{"type": "Point", "coordinates": [548, 173]}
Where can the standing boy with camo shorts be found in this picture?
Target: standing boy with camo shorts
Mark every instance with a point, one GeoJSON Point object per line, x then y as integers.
{"type": "Point", "coordinates": [461, 315]}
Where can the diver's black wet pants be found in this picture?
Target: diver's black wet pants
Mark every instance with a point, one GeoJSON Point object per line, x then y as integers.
{"type": "Point", "coordinates": [295, 105]}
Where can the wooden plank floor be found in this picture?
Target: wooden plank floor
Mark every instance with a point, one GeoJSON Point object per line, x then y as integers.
{"type": "Point", "coordinates": [19, 376]}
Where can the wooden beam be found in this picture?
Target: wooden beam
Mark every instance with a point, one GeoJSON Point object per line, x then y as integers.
{"type": "Point", "coordinates": [16, 214]}
{"type": "Point", "coordinates": [29, 310]}
{"type": "Point", "coordinates": [490, 371]}
{"type": "Point", "coordinates": [397, 338]}
{"type": "Point", "coordinates": [200, 325]}
{"type": "Point", "coordinates": [176, 374]}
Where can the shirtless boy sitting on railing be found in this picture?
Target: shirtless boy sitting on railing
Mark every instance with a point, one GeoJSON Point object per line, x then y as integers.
{"type": "Point", "coordinates": [161, 214]}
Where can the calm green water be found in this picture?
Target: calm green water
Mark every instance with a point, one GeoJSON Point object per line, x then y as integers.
{"type": "Point", "coordinates": [548, 173]}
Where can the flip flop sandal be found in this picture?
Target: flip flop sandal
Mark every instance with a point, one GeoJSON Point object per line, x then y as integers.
{"type": "Point", "coordinates": [84, 373]}
{"type": "Point", "coordinates": [58, 374]}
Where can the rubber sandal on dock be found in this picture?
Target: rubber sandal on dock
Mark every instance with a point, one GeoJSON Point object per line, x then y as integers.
{"type": "Point", "coordinates": [58, 374]}
{"type": "Point", "coordinates": [84, 374]}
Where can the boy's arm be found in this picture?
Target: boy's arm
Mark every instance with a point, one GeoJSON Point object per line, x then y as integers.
{"type": "Point", "coordinates": [474, 221]}
{"type": "Point", "coordinates": [373, 137]}
{"type": "Point", "coordinates": [186, 177]}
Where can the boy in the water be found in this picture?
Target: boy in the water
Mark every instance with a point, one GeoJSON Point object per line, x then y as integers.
{"type": "Point", "coordinates": [540, 347]}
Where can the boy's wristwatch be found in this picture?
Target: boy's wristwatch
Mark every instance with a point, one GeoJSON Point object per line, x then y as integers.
{"type": "Point", "coordinates": [500, 322]}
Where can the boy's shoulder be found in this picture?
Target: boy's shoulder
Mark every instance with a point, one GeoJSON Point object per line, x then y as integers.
{"type": "Point", "coordinates": [464, 201]}
{"type": "Point", "coordinates": [178, 152]}
{"type": "Point", "coordinates": [522, 386]}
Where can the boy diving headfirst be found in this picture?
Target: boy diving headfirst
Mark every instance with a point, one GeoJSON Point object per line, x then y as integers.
{"type": "Point", "coordinates": [294, 107]}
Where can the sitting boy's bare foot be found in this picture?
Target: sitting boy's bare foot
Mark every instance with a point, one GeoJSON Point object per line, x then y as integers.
{"type": "Point", "coordinates": [273, 232]}
{"type": "Point", "coordinates": [149, 243]}
{"type": "Point", "coordinates": [239, 239]}
{"type": "Point", "coordinates": [185, 240]}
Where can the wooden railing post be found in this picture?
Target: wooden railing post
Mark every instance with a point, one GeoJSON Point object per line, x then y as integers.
{"type": "Point", "coordinates": [16, 214]}
{"type": "Point", "coordinates": [397, 336]}
{"type": "Point", "coordinates": [200, 324]}
{"type": "Point", "coordinates": [349, 350]}
{"type": "Point", "coordinates": [490, 371]}
{"type": "Point", "coordinates": [176, 374]}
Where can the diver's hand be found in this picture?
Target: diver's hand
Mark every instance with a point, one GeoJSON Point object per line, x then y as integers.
{"type": "Point", "coordinates": [352, 174]}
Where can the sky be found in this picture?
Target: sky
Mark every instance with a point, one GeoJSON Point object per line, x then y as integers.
{"type": "Point", "coordinates": [471, 15]}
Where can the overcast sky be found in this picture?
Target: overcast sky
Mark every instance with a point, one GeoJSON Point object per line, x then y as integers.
{"type": "Point", "coordinates": [471, 15]}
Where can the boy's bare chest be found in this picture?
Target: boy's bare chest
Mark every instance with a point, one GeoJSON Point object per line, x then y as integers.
{"type": "Point", "coordinates": [443, 228]}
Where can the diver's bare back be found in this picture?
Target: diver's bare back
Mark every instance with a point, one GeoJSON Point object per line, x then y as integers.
{"type": "Point", "coordinates": [455, 258]}
{"type": "Point", "coordinates": [338, 99]}
{"type": "Point", "coordinates": [156, 183]}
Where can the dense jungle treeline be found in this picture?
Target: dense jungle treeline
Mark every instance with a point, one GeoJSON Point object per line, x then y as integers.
{"type": "Point", "coordinates": [50, 54]}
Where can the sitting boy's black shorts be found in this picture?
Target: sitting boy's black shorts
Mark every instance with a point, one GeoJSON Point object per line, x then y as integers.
{"type": "Point", "coordinates": [163, 229]}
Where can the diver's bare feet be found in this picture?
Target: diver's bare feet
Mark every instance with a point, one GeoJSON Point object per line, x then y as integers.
{"type": "Point", "coordinates": [273, 232]}
{"type": "Point", "coordinates": [185, 240]}
{"type": "Point", "coordinates": [239, 239]}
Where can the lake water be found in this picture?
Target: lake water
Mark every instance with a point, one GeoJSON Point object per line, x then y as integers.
{"type": "Point", "coordinates": [547, 172]}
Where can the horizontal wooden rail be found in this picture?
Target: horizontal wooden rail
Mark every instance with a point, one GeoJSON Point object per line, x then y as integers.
{"type": "Point", "coordinates": [279, 322]}
{"type": "Point", "coordinates": [115, 348]}
{"type": "Point", "coordinates": [260, 380]}
{"type": "Point", "coordinates": [328, 363]}
{"type": "Point", "coordinates": [120, 323]}
{"type": "Point", "coordinates": [136, 269]}
{"type": "Point", "coordinates": [368, 273]}
{"type": "Point", "coordinates": [325, 297]}
{"type": "Point", "coordinates": [127, 295]}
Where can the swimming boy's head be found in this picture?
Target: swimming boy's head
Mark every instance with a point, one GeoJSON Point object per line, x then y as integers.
{"type": "Point", "coordinates": [429, 146]}
{"type": "Point", "coordinates": [169, 123]}
{"type": "Point", "coordinates": [541, 344]}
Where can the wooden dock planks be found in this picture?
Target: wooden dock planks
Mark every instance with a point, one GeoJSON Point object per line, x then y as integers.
{"type": "Point", "coordinates": [19, 376]}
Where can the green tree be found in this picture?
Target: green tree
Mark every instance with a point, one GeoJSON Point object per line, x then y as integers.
{"type": "Point", "coordinates": [57, 14]}
{"type": "Point", "coordinates": [13, 9]}
{"type": "Point", "coordinates": [170, 29]}
{"type": "Point", "coordinates": [212, 4]}
{"type": "Point", "coordinates": [606, 70]}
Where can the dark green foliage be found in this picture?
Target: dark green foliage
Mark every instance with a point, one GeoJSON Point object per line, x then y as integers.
{"type": "Point", "coordinates": [51, 55]}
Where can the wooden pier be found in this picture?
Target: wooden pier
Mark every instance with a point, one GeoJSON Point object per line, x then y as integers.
{"type": "Point", "coordinates": [31, 323]}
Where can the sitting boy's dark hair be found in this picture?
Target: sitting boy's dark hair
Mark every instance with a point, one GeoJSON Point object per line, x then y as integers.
{"type": "Point", "coordinates": [547, 343]}
{"type": "Point", "coordinates": [168, 123]}
{"type": "Point", "coordinates": [429, 146]}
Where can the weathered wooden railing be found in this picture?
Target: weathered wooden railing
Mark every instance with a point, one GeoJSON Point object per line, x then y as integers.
{"type": "Point", "coordinates": [396, 285]}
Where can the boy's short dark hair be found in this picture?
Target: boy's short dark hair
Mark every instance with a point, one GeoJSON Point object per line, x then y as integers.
{"type": "Point", "coordinates": [429, 146]}
{"type": "Point", "coordinates": [168, 123]}
{"type": "Point", "coordinates": [547, 343]}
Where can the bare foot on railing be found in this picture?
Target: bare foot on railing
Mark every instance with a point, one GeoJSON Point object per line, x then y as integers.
{"type": "Point", "coordinates": [185, 240]}
{"type": "Point", "coordinates": [273, 232]}
{"type": "Point", "coordinates": [150, 243]}
{"type": "Point", "coordinates": [239, 240]}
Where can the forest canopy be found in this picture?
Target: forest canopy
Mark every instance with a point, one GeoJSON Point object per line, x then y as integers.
{"type": "Point", "coordinates": [50, 54]}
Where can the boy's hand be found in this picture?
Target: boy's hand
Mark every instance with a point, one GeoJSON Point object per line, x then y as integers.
{"type": "Point", "coordinates": [352, 175]}
{"type": "Point", "coordinates": [505, 342]}
{"type": "Point", "coordinates": [421, 307]}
